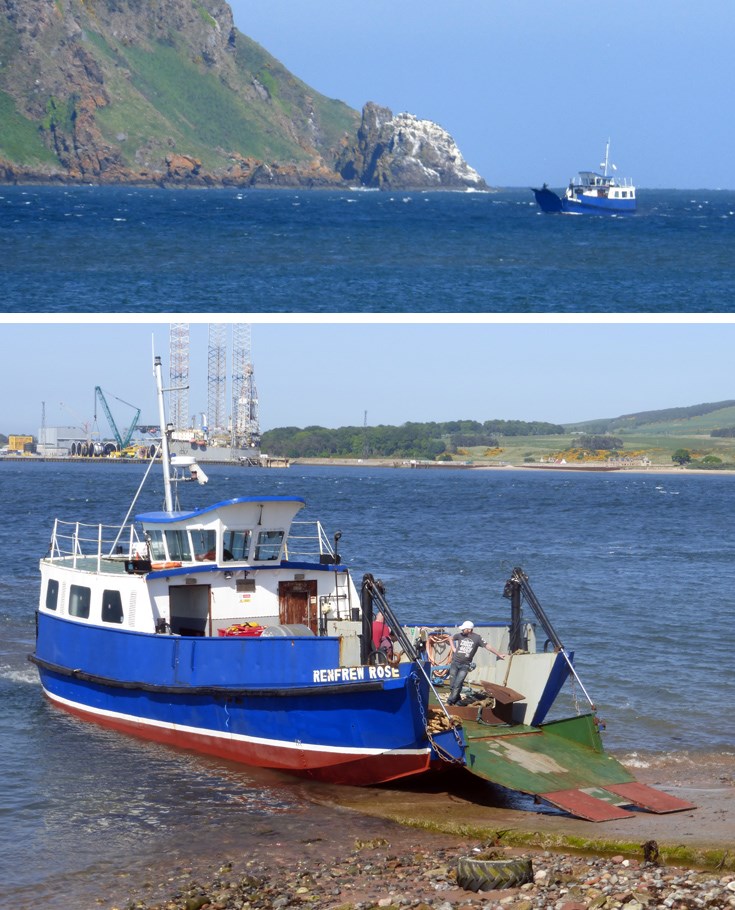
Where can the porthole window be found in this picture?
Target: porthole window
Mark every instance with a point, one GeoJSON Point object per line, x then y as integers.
{"type": "Point", "coordinates": [52, 594]}
{"type": "Point", "coordinates": [79, 598]}
{"type": "Point", "coordinates": [112, 610]}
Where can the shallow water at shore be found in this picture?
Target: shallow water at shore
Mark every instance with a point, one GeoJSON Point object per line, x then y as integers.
{"type": "Point", "coordinates": [238, 816]}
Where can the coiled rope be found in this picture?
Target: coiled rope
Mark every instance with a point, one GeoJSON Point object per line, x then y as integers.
{"type": "Point", "coordinates": [439, 650]}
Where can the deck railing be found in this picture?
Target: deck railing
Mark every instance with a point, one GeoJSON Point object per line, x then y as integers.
{"type": "Point", "coordinates": [308, 542]}
{"type": "Point", "coordinates": [75, 541]}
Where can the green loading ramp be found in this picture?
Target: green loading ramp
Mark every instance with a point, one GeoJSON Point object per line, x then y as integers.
{"type": "Point", "coordinates": [564, 763]}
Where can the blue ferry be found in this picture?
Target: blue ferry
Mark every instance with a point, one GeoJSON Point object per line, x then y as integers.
{"type": "Point", "coordinates": [591, 192]}
{"type": "Point", "coordinates": [236, 630]}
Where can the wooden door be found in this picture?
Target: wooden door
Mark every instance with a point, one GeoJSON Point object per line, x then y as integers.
{"type": "Point", "coordinates": [297, 604]}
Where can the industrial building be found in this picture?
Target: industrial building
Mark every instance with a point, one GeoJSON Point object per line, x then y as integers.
{"type": "Point", "coordinates": [228, 431]}
{"type": "Point", "coordinates": [58, 441]}
{"type": "Point", "coordinates": [20, 443]}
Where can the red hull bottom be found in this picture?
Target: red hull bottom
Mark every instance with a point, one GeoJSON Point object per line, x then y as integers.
{"type": "Point", "coordinates": [329, 767]}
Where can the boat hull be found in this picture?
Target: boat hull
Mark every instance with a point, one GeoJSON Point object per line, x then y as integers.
{"type": "Point", "coordinates": [551, 203]}
{"type": "Point", "coordinates": [365, 730]}
{"type": "Point", "coordinates": [598, 205]}
{"type": "Point", "coordinates": [547, 200]}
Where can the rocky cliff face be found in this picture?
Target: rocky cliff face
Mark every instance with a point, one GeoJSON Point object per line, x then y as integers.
{"type": "Point", "coordinates": [402, 151]}
{"type": "Point", "coordinates": [155, 91]}
{"type": "Point", "coordinates": [169, 91]}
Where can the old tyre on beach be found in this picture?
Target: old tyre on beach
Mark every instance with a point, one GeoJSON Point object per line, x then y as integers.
{"type": "Point", "coordinates": [477, 874]}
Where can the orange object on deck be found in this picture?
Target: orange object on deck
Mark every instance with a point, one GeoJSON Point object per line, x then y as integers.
{"type": "Point", "coordinates": [241, 630]}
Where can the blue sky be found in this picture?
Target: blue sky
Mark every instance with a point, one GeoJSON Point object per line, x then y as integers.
{"type": "Point", "coordinates": [532, 89]}
{"type": "Point", "coordinates": [330, 372]}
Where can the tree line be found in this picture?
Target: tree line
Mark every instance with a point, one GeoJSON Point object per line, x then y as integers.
{"type": "Point", "coordinates": [598, 443]}
{"type": "Point", "coordinates": [410, 440]}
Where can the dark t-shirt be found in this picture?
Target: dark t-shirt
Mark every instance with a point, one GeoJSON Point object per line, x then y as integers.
{"type": "Point", "coordinates": [465, 647]}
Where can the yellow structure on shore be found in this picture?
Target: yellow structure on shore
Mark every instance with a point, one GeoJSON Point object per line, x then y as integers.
{"type": "Point", "coordinates": [18, 443]}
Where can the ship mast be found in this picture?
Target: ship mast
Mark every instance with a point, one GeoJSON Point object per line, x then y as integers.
{"type": "Point", "coordinates": [605, 163]}
{"type": "Point", "coordinates": [168, 496]}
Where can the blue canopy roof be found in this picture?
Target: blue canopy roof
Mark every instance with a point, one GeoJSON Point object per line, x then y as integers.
{"type": "Point", "coordinates": [167, 517]}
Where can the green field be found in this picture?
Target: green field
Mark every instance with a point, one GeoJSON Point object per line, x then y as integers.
{"type": "Point", "coordinates": [657, 448]}
{"type": "Point", "coordinates": [652, 436]}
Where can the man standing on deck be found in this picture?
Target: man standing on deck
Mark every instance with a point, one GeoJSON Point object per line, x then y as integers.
{"type": "Point", "coordinates": [381, 633]}
{"type": "Point", "coordinates": [466, 642]}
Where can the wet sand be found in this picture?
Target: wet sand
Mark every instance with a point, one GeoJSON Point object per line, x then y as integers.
{"type": "Point", "coordinates": [470, 808]}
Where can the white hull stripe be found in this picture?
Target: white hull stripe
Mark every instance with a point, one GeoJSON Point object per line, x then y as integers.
{"type": "Point", "coordinates": [233, 737]}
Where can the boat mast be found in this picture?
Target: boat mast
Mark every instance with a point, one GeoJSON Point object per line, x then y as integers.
{"type": "Point", "coordinates": [607, 158]}
{"type": "Point", "coordinates": [165, 455]}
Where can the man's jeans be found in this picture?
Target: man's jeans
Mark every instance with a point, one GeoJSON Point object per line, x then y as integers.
{"type": "Point", "coordinates": [457, 673]}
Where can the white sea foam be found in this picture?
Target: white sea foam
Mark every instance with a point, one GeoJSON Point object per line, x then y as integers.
{"type": "Point", "coordinates": [23, 676]}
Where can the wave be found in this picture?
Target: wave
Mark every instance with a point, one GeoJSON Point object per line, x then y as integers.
{"type": "Point", "coordinates": [701, 765]}
{"type": "Point", "coordinates": [21, 675]}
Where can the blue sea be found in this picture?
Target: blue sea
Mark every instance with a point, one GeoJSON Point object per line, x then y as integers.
{"type": "Point", "coordinates": [122, 249]}
{"type": "Point", "coordinates": [636, 572]}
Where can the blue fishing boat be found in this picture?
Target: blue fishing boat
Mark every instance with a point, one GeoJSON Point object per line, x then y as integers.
{"type": "Point", "coordinates": [236, 630]}
{"type": "Point", "coordinates": [591, 192]}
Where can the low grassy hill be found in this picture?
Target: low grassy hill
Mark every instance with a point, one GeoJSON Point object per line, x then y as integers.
{"type": "Point", "coordinates": [645, 436]}
{"type": "Point", "coordinates": [699, 418]}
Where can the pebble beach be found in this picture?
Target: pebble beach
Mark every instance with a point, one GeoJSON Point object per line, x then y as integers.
{"type": "Point", "coordinates": [413, 874]}
{"type": "Point", "coordinates": [360, 849]}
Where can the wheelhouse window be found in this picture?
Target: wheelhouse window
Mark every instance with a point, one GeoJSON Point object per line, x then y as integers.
{"type": "Point", "coordinates": [155, 543]}
{"type": "Point", "coordinates": [112, 610]}
{"type": "Point", "coordinates": [204, 544]}
{"type": "Point", "coordinates": [178, 546]}
{"type": "Point", "coordinates": [52, 594]}
{"type": "Point", "coordinates": [237, 545]}
{"type": "Point", "coordinates": [79, 599]}
{"type": "Point", "coordinates": [268, 546]}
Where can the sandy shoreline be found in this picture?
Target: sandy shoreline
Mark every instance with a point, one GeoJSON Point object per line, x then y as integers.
{"type": "Point", "coordinates": [697, 835]}
{"type": "Point", "coordinates": [458, 466]}
{"type": "Point", "coordinates": [404, 464]}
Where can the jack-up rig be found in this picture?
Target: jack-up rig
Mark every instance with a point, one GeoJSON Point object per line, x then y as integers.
{"type": "Point", "coordinates": [216, 435]}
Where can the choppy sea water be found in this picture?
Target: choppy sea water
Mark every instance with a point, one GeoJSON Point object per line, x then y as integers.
{"type": "Point", "coordinates": [635, 570]}
{"type": "Point", "coordinates": [115, 249]}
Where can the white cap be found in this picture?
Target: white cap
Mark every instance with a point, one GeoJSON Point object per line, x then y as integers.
{"type": "Point", "coordinates": [467, 625]}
